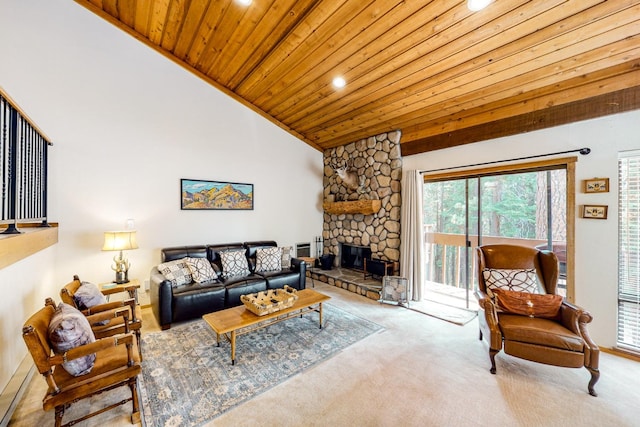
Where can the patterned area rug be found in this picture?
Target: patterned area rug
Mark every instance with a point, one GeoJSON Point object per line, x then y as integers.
{"type": "Point", "coordinates": [188, 380]}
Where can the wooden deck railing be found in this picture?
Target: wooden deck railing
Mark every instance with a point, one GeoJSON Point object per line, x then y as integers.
{"type": "Point", "coordinates": [445, 257]}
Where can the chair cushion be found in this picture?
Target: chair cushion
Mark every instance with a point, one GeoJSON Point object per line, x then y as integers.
{"type": "Point", "coordinates": [520, 280]}
{"type": "Point", "coordinates": [538, 331]}
{"type": "Point", "coordinates": [68, 329]}
{"type": "Point", "coordinates": [528, 304]}
{"type": "Point", "coordinates": [177, 272]}
{"type": "Point", "coordinates": [268, 259]}
{"type": "Point", "coordinates": [110, 368]}
{"type": "Point", "coordinates": [88, 295]}
{"type": "Point", "coordinates": [201, 269]}
{"type": "Point", "coordinates": [234, 263]}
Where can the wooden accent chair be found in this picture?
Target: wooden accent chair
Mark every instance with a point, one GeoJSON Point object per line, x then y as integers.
{"type": "Point", "coordinates": [116, 364]}
{"type": "Point", "coordinates": [560, 340]}
{"type": "Point", "coordinates": [115, 325]}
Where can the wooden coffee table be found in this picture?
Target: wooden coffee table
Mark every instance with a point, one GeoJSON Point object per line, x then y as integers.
{"type": "Point", "coordinates": [227, 322]}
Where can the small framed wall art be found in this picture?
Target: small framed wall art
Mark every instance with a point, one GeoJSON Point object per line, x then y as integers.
{"type": "Point", "coordinates": [197, 194]}
{"type": "Point", "coordinates": [596, 185]}
{"type": "Point", "coordinates": [594, 211]}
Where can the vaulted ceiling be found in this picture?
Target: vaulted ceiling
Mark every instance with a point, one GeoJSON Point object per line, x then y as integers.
{"type": "Point", "coordinates": [440, 73]}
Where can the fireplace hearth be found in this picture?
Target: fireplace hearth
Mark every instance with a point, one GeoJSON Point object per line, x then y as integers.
{"type": "Point", "coordinates": [352, 256]}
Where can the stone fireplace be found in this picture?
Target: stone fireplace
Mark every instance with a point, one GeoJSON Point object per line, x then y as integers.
{"type": "Point", "coordinates": [376, 226]}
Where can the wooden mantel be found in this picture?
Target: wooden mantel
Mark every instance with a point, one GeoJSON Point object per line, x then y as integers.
{"type": "Point", "coordinates": [366, 207]}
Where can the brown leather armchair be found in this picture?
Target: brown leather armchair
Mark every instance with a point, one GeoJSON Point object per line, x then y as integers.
{"type": "Point", "coordinates": [116, 324]}
{"type": "Point", "coordinates": [116, 364]}
{"type": "Point", "coordinates": [560, 341]}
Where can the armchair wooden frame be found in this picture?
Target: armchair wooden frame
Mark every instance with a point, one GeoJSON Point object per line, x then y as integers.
{"type": "Point", "coordinates": [116, 325]}
{"type": "Point", "coordinates": [563, 341]}
{"type": "Point", "coordinates": [116, 365]}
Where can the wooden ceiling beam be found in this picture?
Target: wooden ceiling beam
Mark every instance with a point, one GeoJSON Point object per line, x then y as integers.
{"type": "Point", "coordinates": [542, 82]}
{"type": "Point", "coordinates": [582, 87]}
{"type": "Point", "coordinates": [586, 85]}
{"type": "Point", "coordinates": [610, 103]}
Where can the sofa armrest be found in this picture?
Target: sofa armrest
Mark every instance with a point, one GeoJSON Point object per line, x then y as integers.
{"type": "Point", "coordinates": [300, 266]}
{"type": "Point", "coordinates": [161, 298]}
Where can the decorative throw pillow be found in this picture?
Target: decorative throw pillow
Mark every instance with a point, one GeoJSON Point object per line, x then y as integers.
{"type": "Point", "coordinates": [68, 329]}
{"type": "Point", "coordinates": [528, 304]}
{"type": "Point", "coordinates": [234, 263]}
{"type": "Point", "coordinates": [88, 295]}
{"type": "Point", "coordinates": [201, 269]}
{"type": "Point", "coordinates": [268, 259]}
{"type": "Point", "coordinates": [287, 254]}
{"type": "Point", "coordinates": [177, 272]}
{"type": "Point", "coordinates": [512, 280]}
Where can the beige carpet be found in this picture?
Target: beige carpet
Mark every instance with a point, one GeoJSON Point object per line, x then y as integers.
{"type": "Point", "coordinates": [455, 315]}
{"type": "Point", "coordinates": [420, 371]}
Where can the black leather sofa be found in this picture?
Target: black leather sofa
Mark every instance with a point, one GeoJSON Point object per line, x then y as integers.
{"type": "Point", "coordinates": [174, 304]}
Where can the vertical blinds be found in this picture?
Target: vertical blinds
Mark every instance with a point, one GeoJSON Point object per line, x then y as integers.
{"type": "Point", "coordinates": [629, 251]}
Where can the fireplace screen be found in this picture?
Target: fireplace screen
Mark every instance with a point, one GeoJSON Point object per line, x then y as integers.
{"type": "Point", "coordinates": [353, 256]}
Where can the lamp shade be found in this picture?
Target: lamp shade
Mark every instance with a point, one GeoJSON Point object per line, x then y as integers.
{"type": "Point", "coordinates": [119, 240]}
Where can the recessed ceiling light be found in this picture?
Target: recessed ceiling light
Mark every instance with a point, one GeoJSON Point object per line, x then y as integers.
{"type": "Point", "coordinates": [476, 5]}
{"type": "Point", "coordinates": [339, 82]}
{"type": "Point", "coordinates": [244, 2]}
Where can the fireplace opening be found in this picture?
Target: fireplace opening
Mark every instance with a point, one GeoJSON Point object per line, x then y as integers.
{"type": "Point", "coordinates": [352, 256]}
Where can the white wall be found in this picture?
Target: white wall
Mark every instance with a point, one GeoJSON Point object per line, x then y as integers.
{"type": "Point", "coordinates": [596, 240]}
{"type": "Point", "coordinates": [127, 125]}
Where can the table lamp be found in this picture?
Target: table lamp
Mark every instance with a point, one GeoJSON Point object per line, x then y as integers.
{"type": "Point", "coordinates": [119, 241]}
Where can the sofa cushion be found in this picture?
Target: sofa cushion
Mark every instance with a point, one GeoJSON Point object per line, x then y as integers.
{"type": "Point", "coordinates": [177, 272]}
{"type": "Point", "coordinates": [268, 259]}
{"type": "Point", "coordinates": [243, 287]}
{"type": "Point", "coordinates": [234, 263]}
{"type": "Point", "coordinates": [196, 299]}
{"type": "Point", "coordinates": [278, 279]}
{"type": "Point", "coordinates": [69, 328]}
{"type": "Point", "coordinates": [201, 269]}
{"type": "Point", "coordinates": [520, 280]}
{"type": "Point", "coordinates": [287, 254]}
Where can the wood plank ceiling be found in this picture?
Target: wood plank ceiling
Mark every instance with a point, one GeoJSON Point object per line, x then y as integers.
{"type": "Point", "coordinates": [435, 70]}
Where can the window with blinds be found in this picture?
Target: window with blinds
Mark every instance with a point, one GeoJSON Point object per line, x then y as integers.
{"type": "Point", "coordinates": [629, 251]}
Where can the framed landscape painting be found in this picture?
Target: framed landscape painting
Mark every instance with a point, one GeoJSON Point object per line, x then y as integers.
{"type": "Point", "coordinates": [197, 194]}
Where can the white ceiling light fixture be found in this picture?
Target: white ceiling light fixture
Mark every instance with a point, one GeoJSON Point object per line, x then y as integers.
{"type": "Point", "coordinates": [339, 82]}
{"type": "Point", "coordinates": [244, 2]}
{"type": "Point", "coordinates": [476, 5]}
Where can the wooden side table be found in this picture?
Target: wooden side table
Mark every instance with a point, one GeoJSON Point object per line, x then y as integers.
{"type": "Point", "coordinates": [111, 288]}
{"type": "Point", "coordinates": [310, 261]}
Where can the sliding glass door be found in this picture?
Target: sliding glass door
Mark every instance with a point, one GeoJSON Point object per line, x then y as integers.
{"type": "Point", "coordinates": [523, 207]}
